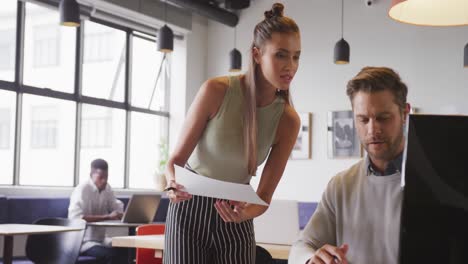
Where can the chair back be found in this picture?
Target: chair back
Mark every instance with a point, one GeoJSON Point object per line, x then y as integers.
{"type": "Point", "coordinates": [146, 255]}
{"type": "Point", "coordinates": [262, 256]}
{"type": "Point", "coordinates": [56, 248]}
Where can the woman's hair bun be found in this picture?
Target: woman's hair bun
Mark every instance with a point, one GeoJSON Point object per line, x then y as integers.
{"type": "Point", "coordinates": [276, 11]}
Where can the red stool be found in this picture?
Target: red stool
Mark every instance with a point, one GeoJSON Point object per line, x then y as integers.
{"type": "Point", "coordinates": [146, 255]}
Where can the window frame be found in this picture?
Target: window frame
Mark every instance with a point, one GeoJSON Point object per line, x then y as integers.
{"type": "Point", "coordinates": [77, 97]}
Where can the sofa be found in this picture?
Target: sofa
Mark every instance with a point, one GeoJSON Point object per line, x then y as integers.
{"type": "Point", "coordinates": [26, 210]}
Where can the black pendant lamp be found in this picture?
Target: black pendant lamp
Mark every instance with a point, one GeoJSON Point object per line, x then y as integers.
{"type": "Point", "coordinates": [69, 13]}
{"type": "Point", "coordinates": [165, 37]}
{"type": "Point", "coordinates": [341, 52]}
{"type": "Point", "coordinates": [466, 56]}
{"type": "Point", "coordinates": [235, 57]}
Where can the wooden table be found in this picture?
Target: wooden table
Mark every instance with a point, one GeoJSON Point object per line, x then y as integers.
{"type": "Point", "coordinates": [116, 223]}
{"type": "Point", "coordinates": [10, 230]}
{"type": "Point", "coordinates": [131, 230]}
{"type": "Point", "coordinates": [157, 242]}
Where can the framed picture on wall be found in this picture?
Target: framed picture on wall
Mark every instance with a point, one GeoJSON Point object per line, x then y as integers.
{"type": "Point", "coordinates": [343, 140]}
{"type": "Point", "coordinates": [303, 147]}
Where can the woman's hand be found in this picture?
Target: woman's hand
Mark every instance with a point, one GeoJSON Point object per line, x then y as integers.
{"type": "Point", "coordinates": [231, 211]}
{"type": "Point", "coordinates": [175, 193]}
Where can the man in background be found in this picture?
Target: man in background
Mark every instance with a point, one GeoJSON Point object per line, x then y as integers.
{"type": "Point", "coordinates": [95, 201]}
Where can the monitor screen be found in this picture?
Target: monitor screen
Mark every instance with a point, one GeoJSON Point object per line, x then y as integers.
{"type": "Point", "coordinates": [434, 219]}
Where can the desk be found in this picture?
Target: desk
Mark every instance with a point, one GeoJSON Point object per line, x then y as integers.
{"type": "Point", "coordinates": [157, 242]}
{"type": "Point", "coordinates": [116, 223]}
{"type": "Point", "coordinates": [131, 231]}
{"type": "Point", "coordinates": [10, 230]}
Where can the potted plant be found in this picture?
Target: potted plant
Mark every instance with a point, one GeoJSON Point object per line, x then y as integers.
{"type": "Point", "coordinates": [160, 177]}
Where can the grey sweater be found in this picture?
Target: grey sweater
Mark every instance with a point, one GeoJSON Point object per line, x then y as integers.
{"type": "Point", "coordinates": [359, 209]}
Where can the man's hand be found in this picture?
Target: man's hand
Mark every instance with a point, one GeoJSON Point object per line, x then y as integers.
{"type": "Point", "coordinates": [329, 254]}
{"type": "Point", "coordinates": [115, 215]}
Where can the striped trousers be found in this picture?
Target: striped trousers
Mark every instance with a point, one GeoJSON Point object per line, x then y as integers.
{"type": "Point", "coordinates": [195, 233]}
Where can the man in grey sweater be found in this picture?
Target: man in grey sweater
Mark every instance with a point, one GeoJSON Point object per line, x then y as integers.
{"type": "Point", "coordinates": [358, 218]}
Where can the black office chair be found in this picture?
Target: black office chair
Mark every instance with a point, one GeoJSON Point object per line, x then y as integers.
{"type": "Point", "coordinates": [56, 248]}
{"type": "Point", "coordinates": [262, 256]}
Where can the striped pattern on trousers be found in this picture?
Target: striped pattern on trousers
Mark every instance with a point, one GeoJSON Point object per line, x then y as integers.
{"type": "Point", "coordinates": [195, 233]}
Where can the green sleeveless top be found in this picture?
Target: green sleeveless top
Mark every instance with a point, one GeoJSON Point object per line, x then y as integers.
{"type": "Point", "coordinates": [219, 153]}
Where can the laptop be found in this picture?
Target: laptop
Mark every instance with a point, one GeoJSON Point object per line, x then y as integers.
{"type": "Point", "coordinates": [141, 208]}
{"type": "Point", "coordinates": [279, 224]}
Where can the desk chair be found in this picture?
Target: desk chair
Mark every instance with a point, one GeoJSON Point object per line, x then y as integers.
{"type": "Point", "coordinates": [56, 248]}
{"type": "Point", "coordinates": [262, 256]}
{"type": "Point", "coordinates": [146, 255]}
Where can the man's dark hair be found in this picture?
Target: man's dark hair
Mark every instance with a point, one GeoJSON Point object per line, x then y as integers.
{"type": "Point", "coordinates": [376, 79]}
{"type": "Point", "coordinates": [99, 164]}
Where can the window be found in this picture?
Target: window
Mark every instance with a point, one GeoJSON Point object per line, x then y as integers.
{"type": "Point", "coordinates": [97, 132]}
{"type": "Point", "coordinates": [103, 136]}
{"type": "Point", "coordinates": [104, 64]}
{"type": "Point", "coordinates": [7, 50]}
{"type": "Point", "coordinates": [46, 148]}
{"type": "Point", "coordinates": [5, 123]}
{"type": "Point", "coordinates": [148, 132]}
{"type": "Point", "coordinates": [96, 128]}
{"type": "Point", "coordinates": [46, 43]}
{"type": "Point", "coordinates": [7, 39]}
{"type": "Point", "coordinates": [7, 117]}
{"type": "Point", "coordinates": [48, 140]}
{"type": "Point", "coordinates": [149, 75]}
{"type": "Point", "coordinates": [44, 126]}
{"type": "Point", "coordinates": [49, 50]}
{"type": "Point", "coordinates": [97, 47]}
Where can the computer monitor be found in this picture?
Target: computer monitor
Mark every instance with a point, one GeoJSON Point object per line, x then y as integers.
{"type": "Point", "coordinates": [434, 219]}
{"type": "Point", "coordinates": [141, 208]}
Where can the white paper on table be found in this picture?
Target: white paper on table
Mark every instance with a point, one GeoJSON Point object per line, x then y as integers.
{"type": "Point", "coordinates": [200, 185]}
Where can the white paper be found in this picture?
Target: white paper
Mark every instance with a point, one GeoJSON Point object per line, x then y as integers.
{"type": "Point", "coordinates": [200, 185]}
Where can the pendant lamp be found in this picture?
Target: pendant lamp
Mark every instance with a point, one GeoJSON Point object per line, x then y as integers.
{"type": "Point", "coordinates": [341, 52]}
{"type": "Point", "coordinates": [69, 13]}
{"type": "Point", "coordinates": [235, 57]}
{"type": "Point", "coordinates": [165, 36]}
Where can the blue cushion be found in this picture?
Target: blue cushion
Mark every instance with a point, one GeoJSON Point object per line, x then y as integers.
{"type": "Point", "coordinates": [19, 260]}
{"type": "Point", "coordinates": [25, 210]}
{"type": "Point", "coordinates": [3, 209]}
{"type": "Point", "coordinates": [86, 260]}
{"type": "Point", "coordinates": [80, 260]}
{"type": "Point", "coordinates": [22, 261]}
{"type": "Point", "coordinates": [306, 210]}
{"type": "Point", "coordinates": [161, 213]}
{"type": "Point", "coordinates": [124, 200]}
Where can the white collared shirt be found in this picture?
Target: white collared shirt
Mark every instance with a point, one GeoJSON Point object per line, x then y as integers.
{"type": "Point", "coordinates": [87, 200]}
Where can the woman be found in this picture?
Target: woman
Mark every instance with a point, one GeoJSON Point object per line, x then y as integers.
{"type": "Point", "coordinates": [232, 126]}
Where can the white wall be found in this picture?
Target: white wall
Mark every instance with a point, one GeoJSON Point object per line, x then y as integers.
{"type": "Point", "coordinates": [188, 73]}
{"type": "Point", "coordinates": [430, 61]}
{"type": "Point", "coordinates": [196, 56]}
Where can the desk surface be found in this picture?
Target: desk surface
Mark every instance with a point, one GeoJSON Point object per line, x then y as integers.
{"type": "Point", "coordinates": [118, 223]}
{"type": "Point", "coordinates": [157, 242]}
{"type": "Point", "coordinates": [25, 229]}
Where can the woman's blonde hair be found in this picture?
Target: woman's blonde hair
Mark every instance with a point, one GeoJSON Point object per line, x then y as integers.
{"type": "Point", "coordinates": [274, 22]}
